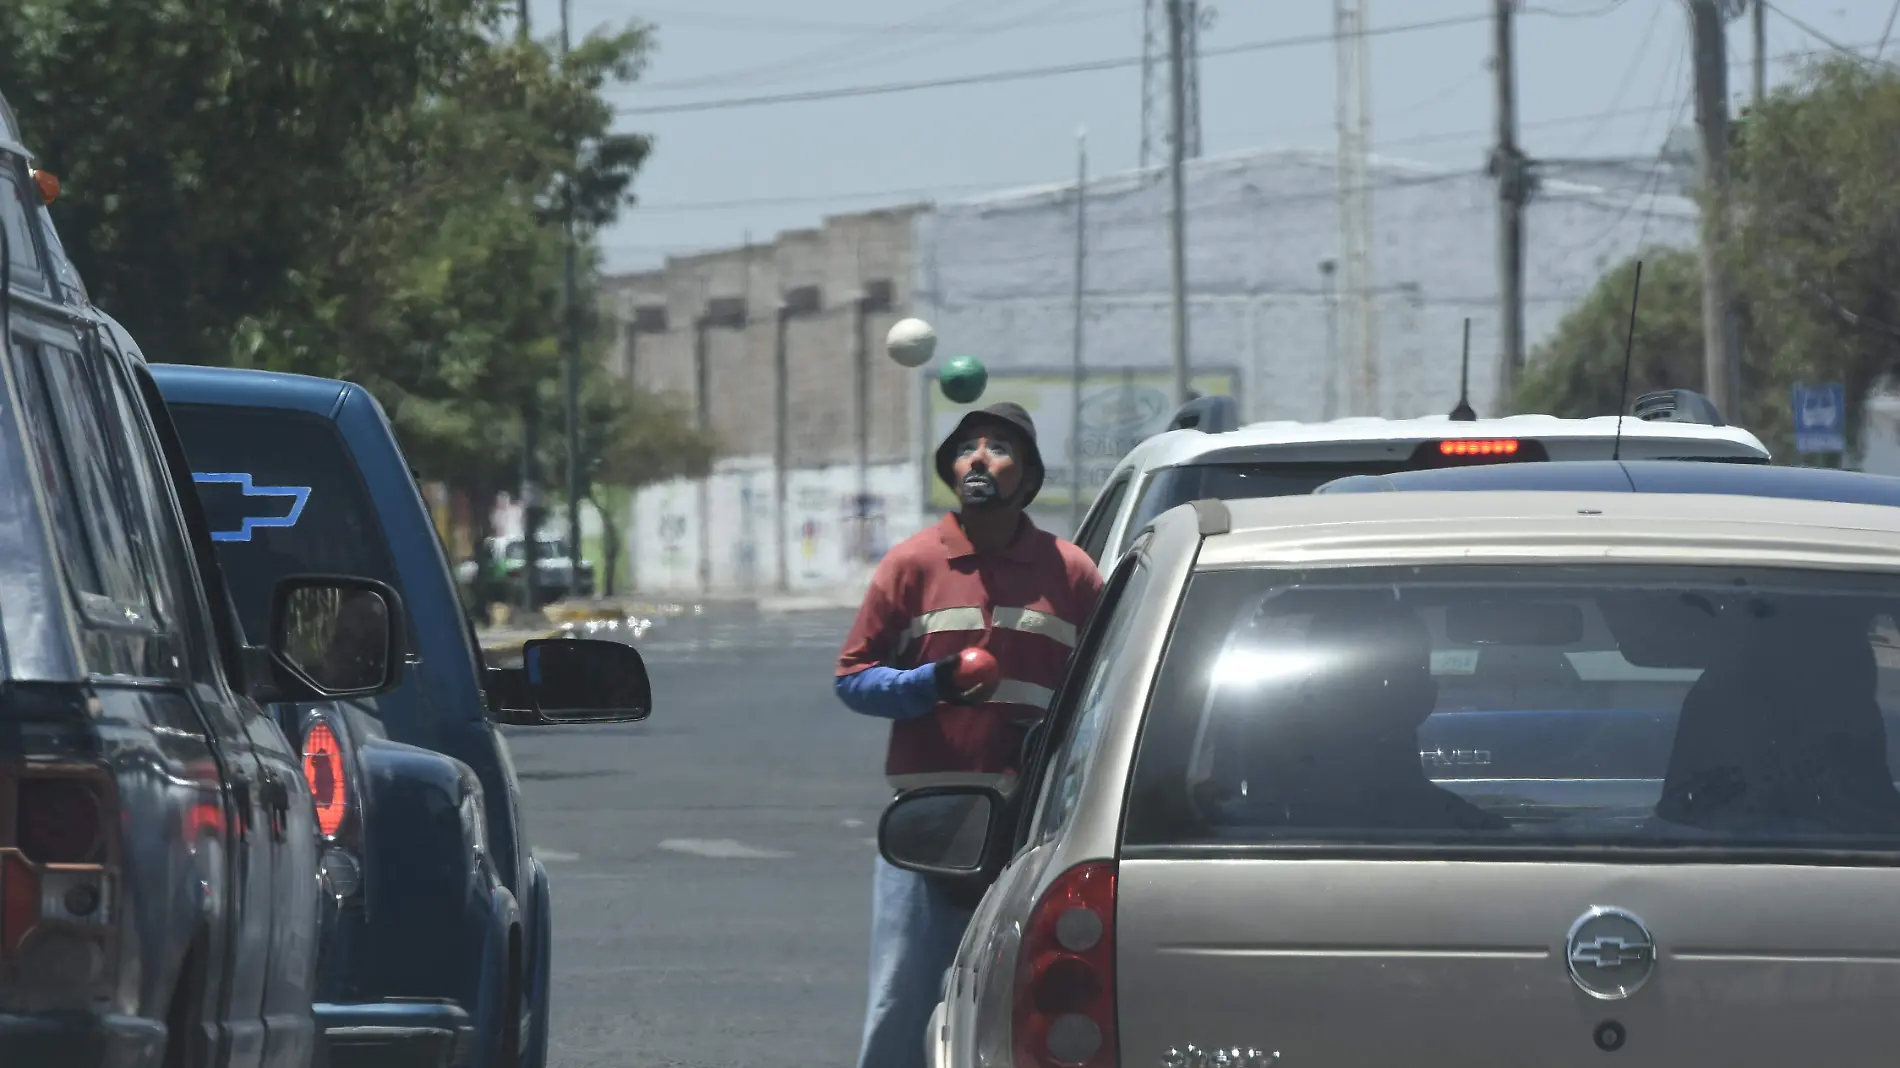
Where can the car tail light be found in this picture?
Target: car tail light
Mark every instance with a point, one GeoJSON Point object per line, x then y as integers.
{"type": "Point", "coordinates": [323, 770]}
{"type": "Point", "coordinates": [1488, 447]}
{"type": "Point", "coordinates": [1064, 1014]}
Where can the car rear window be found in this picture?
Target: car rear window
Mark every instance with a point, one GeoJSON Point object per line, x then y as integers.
{"type": "Point", "coordinates": [1630, 707]}
{"type": "Point", "coordinates": [283, 496]}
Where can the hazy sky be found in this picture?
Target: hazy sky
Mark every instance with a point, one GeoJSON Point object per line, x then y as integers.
{"type": "Point", "coordinates": [1595, 78]}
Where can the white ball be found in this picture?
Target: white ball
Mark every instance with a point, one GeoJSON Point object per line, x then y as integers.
{"type": "Point", "coordinates": [911, 342]}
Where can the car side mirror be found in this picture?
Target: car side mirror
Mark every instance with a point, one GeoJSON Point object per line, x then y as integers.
{"type": "Point", "coordinates": [331, 637]}
{"type": "Point", "coordinates": [574, 680]}
{"type": "Point", "coordinates": [941, 830]}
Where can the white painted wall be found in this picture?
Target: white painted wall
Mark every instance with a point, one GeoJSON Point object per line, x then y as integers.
{"type": "Point", "coordinates": [826, 546]}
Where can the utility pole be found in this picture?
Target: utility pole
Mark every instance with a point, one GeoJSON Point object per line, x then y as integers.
{"type": "Point", "coordinates": [1075, 371]}
{"type": "Point", "coordinates": [1191, 53]}
{"type": "Point", "coordinates": [1355, 199]}
{"type": "Point", "coordinates": [1148, 80]}
{"type": "Point", "coordinates": [1511, 170]}
{"type": "Point", "coordinates": [1759, 17]}
{"type": "Point", "coordinates": [571, 342]}
{"type": "Point", "coordinates": [530, 430]}
{"type": "Point", "coordinates": [1720, 364]}
{"type": "Point", "coordinates": [1329, 399]}
{"type": "Point", "coordinates": [1177, 216]}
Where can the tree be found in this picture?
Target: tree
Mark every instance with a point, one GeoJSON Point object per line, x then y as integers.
{"type": "Point", "coordinates": [202, 143]}
{"type": "Point", "coordinates": [1578, 372]}
{"type": "Point", "coordinates": [630, 438]}
{"type": "Point", "coordinates": [1816, 242]}
{"type": "Point", "coordinates": [1815, 249]}
{"type": "Point", "coordinates": [441, 290]}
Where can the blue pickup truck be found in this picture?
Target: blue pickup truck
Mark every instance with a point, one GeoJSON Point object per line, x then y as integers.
{"type": "Point", "coordinates": [441, 951]}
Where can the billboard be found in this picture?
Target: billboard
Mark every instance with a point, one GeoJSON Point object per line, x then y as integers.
{"type": "Point", "coordinates": [1120, 408]}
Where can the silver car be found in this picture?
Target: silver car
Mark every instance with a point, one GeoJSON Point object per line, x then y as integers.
{"type": "Point", "coordinates": [1464, 778]}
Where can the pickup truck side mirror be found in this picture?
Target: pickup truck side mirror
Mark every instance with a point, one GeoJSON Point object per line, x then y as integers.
{"type": "Point", "coordinates": [331, 637]}
{"type": "Point", "coordinates": [572, 680]}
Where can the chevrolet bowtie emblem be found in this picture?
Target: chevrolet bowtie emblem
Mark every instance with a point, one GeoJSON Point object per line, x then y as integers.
{"type": "Point", "coordinates": [1610, 951]}
{"type": "Point", "coordinates": [298, 496]}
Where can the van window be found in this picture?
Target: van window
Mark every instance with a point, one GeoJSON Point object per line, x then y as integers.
{"type": "Point", "coordinates": [22, 252]}
{"type": "Point", "coordinates": [283, 496]}
{"type": "Point", "coordinates": [62, 495]}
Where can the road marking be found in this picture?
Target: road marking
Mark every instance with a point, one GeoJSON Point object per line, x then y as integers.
{"type": "Point", "coordinates": [854, 823]}
{"type": "Point", "coordinates": [721, 849]}
{"type": "Point", "coordinates": [555, 856]}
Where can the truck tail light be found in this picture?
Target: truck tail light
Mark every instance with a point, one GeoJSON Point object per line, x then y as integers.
{"type": "Point", "coordinates": [323, 770]}
{"type": "Point", "coordinates": [58, 862]}
{"type": "Point", "coordinates": [57, 820]}
{"type": "Point", "coordinates": [326, 770]}
{"type": "Point", "coordinates": [1064, 1013]}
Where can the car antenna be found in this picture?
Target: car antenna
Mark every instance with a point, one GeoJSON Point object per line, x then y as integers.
{"type": "Point", "coordinates": [1629, 349]}
{"type": "Point", "coordinates": [1463, 413]}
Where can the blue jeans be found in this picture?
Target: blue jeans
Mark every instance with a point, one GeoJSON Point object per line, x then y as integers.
{"type": "Point", "coordinates": [915, 930]}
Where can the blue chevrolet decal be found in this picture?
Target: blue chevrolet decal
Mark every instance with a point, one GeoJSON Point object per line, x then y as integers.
{"type": "Point", "coordinates": [298, 495]}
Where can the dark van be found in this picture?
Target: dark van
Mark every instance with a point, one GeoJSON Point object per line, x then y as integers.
{"type": "Point", "coordinates": [160, 901]}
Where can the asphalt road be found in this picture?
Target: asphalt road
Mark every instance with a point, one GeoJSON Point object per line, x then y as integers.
{"type": "Point", "coordinates": [711, 868]}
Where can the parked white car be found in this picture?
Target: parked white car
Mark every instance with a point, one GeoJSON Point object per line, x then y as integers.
{"type": "Point", "coordinates": [1274, 459]}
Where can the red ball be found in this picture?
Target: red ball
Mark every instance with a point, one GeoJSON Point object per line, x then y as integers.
{"type": "Point", "coordinates": [977, 667]}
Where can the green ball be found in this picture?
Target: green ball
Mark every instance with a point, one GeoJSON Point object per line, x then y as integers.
{"type": "Point", "coordinates": [964, 379]}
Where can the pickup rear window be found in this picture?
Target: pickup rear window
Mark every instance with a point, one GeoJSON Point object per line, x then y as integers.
{"type": "Point", "coordinates": [283, 496]}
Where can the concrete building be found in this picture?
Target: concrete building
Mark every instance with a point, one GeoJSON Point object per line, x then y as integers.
{"type": "Point", "coordinates": [995, 275]}
{"type": "Point", "coordinates": [707, 330]}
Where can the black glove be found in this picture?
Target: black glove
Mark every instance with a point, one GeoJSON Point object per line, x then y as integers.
{"type": "Point", "coordinates": [946, 677]}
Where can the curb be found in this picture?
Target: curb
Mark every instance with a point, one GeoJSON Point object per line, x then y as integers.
{"type": "Point", "coordinates": [507, 647]}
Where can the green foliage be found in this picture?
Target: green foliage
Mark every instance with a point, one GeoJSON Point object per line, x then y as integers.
{"type": "Point", "coordinates": [361, 189]}
{"type": "Point", "coordinates": [1578, 372]}
{"type": "Point", "coordinates": [1816, 240]}
{"type": "Point", "coordinates": [1814, 248]}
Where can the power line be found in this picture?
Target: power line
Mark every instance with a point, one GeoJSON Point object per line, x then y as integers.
{"type": "Point", "coordinates": [1817, 34]}
{"type": "Point", "coordinates": [758, 23]}
{"type": "Point", "coordinates": [929, 192]}
{"type": "Point", "coordinates": [1027, 73]}
{"type": "Point", "coordinates": [854, 47]}
{"type": "Point", "coordinates": [1636, 59]}
{"type": "Point", "coordinates": [1604, 10]}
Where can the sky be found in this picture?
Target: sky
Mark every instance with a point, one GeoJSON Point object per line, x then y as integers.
{"type": "Point", "coordinates": [1595, 79]}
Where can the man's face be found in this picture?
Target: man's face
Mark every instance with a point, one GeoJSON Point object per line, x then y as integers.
{"type": "Point", "coordinates": [988, 472]}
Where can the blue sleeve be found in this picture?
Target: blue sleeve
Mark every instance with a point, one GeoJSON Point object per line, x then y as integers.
{"type": "Point", "coordinates": [888, 692]}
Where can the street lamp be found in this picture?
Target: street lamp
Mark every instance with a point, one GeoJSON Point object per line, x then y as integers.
{"type": "Point", "coordinates": [802, 301]}
{"type": "Point", "coordinates": [725, 313]}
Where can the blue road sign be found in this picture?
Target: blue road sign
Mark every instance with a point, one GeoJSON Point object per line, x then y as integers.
{"type": "Point", "coordinates": [1820, 418]}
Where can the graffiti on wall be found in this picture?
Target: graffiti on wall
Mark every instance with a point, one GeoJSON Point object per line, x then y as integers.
{"type": "Point", "coordinates": [745, 548]}
{"type": "Point", "coordinates": [833, 535]}
{"type": "Point", "coordinates": [864, 520]}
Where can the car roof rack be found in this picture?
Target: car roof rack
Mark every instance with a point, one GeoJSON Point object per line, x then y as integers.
{"type": "Point", "coordinates": [1676, 406]}
{"type": "Point", "coordinates": [1209, 415]}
